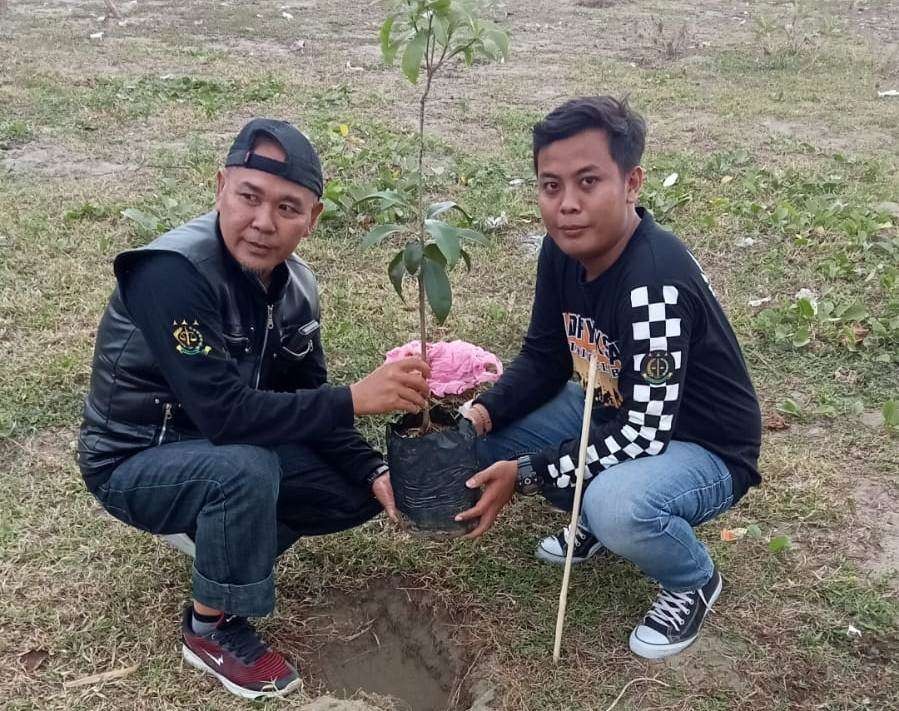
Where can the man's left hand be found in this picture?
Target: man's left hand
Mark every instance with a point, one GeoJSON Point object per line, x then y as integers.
{"type": "Point", "coordinates": [383, 492]}
{"type": "Point", "coordinates": [499, 482]}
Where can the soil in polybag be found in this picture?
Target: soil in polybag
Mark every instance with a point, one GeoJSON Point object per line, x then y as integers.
{"type": "Point", "coordinates": [428, 474]}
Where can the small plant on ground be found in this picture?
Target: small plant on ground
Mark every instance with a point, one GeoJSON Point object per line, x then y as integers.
{"type": "Point", "coordinates": [800, 31]}
{"type": "Point", "coordinates": [848, 323]}
{"type": "Point", "coordinates": [427, 36]}
{"type": "Point", "coordinates": [162, 212]}
{"type": "Point", "coordinates": [13, 133]}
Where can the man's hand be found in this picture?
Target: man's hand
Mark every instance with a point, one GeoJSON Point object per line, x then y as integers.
{"type": "Point", "coordinates": [401, 385]}
{"type": "Point", "coordinates": [498, 481]}
{"type": "Point", "coordinates": [383, 492]}
{"type": "Point", "coordinates": [479, 417]}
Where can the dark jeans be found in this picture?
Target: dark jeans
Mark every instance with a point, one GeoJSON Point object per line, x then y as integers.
{"type": "Point", "coordinates": [242, 505]}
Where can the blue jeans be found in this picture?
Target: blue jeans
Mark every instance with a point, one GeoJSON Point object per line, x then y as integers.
{"type": "Point", "coordinates": [644, 509]}
{"type": "Point", "coordinates": [242, 505]}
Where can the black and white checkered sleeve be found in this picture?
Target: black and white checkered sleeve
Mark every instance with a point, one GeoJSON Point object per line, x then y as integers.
{"type": "Point", "coordinates": [653, 349]}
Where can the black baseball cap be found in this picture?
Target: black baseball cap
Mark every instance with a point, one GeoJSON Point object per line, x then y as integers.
{"type": "Point", "coordinates": [301, 166]}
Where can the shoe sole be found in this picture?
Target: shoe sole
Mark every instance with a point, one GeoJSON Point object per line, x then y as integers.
{"type": "Point", "coordinates": [549, 557]}
{"type": "Point", "coordinates": [240, 691]}
{"type": "Point", "coordinates": [661, 651]}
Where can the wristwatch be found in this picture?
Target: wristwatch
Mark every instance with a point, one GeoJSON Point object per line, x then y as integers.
{"type": "Point", "coordinates": [376, 473]}
{"type": "Point", "coordinates": [529, 482]}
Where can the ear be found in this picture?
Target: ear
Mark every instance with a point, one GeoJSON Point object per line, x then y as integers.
{"type": "Point", "coordinates": [634, 183]}
{"type": "Point", "coordinates": [316, 213]}
{"type": "Point", "coordinates": [220, 181]}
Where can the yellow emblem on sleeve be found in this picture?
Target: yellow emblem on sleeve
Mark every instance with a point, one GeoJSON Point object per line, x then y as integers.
{"type": "Point", "coordinates": [189, 339]}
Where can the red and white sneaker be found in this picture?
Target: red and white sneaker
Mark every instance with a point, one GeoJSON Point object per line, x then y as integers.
{"type": "Point", "coordinates": [237, 657]}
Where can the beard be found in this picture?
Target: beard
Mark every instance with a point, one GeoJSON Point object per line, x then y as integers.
{"type": "Point", "coordinates": [263, 276]}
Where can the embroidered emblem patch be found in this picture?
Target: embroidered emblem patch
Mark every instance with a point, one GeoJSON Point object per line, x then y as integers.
{"type": "Point", "coordinates": [657, 367]}
{"type": "Point", "coordinates": [189, 339]}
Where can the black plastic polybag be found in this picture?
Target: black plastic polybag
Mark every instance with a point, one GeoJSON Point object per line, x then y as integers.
{"type": "Point", "coordinates": [428, 474]}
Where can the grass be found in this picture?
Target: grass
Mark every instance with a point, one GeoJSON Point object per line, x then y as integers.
{"type": "Point", "coordinates": [97, 596]}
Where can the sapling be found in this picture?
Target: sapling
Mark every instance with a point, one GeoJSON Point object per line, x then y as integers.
{"type": "Point", "coordinates": [426, 36]}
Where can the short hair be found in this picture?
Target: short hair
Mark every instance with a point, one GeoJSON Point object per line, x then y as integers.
{"type": "Point", "coordinates": [624, 127]}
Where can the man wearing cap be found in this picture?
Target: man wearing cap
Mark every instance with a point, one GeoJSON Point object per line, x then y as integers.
{"type": "Point", "coordinates": [209, 414]}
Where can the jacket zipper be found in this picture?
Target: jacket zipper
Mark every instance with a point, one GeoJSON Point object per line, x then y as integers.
{"type": "Point", "coordinates": [269, 325]}
{"type": "Point", "coordinates": [165, 421]}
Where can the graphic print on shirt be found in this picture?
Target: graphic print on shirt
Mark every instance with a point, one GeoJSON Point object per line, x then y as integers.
{"type": "Point", "coordinates": [583, 339]}
{"type": "Point", "coordinates": [652, 375]}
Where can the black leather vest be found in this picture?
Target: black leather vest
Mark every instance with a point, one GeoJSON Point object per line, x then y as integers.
{"type": "Point", "coordinates": [130, 406]}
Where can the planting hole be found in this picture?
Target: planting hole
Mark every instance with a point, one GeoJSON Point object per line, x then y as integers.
{"type": "Point", "coordinates": [389, 640]}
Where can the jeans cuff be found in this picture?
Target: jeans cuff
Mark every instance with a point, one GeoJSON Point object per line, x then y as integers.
{"type": "Point", "coordinates": [250, 600]}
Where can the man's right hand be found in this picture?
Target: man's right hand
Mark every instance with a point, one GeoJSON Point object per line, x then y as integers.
{"type": "Point", "coordinates": [401, 385]}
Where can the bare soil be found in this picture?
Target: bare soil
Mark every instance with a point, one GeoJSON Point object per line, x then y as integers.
{"type": "Point", "coordinates": [558, 50]}
{"type": "Point", "coordinates": [876, 502]}
{"type": "Point", "coordinates": [390, 640]}
{"type": "Point", "coordinates": [53, 161]}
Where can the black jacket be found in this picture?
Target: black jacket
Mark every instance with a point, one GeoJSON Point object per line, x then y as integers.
{"type": "Point", "coordinates": [191, 345]}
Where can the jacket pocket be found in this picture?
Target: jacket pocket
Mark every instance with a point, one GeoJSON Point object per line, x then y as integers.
{"type": "Point", "coordinates": [238, 344]}
{"type": "Point", "coordinates": [298, 341]}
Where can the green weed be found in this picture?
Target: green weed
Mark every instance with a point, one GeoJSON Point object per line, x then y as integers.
{"type": "Point", "coordinates": [13, 133]}
{"type": "Point", "coordinates": [146, 95]}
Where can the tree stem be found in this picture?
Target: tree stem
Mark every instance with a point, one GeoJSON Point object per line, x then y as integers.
{"type": "Point", "coordinates": [422, 306]}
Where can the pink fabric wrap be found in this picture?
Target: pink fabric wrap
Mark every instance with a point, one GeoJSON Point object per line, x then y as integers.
{"type": "Point", "coordinates": [456, 366]}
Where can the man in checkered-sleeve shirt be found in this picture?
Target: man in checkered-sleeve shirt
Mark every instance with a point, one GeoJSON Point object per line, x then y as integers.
{"type": "Point", "coordinates": [674, 438]}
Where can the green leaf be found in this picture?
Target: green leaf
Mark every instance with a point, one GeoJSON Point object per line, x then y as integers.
{"type": "Point", "coordinates": [890, 413]}
{"type": "Point", "coordinates": [437, 288]}
{"type": "Point", "coordinates": [438, 208]}
{"type": "Point", "coordinates": [333, 190]}
{"type": "Point", "coordinates": [379, 233]}
{"type": "Point", "coordinates": [147, 221]}
{"type": "Point", "coordinates": [447, 238]}
{"type": "Point", "coordinates": [853, 312]}
{"type": "Point", "coordinates": [396, 270]}
{"type": "Point", "coordinates": [388, 48]}
{"type": "Point", "coordinates": [435, 227]}
{"type": "Point", "coordinates": [806, 309]}
{"type": "Point", "coordinates": [501, 40]}
{"type": "Point", "coordinates": [413, 55]}
{"type": "Point", "coordinates": [779, 543]}
{"type": "Point", "coordinates": [432, 252]}
{"type": "Point", "coordinates": [472, 236]}
{"type": "Point", "coordinates": [466, 259]}
{"type": "Point", "coordinates": [789, 407]}
{"type": "Point", "coordinates": [412, 256]}
{"type": "Point", "coordinates": [388, 198]}
{"type": "Point", "coordinates": [331, 210]}
{"type": "Point", "coordinates": [469, 56]}
{"type": "Point", "coordinates": [441, 29]}
{"type": "Point", "coordinates": [440, 7]}
{"type": "Point", "coordinates": [825, 311]}
{"type": "Point", "coordinates": [802, 337]}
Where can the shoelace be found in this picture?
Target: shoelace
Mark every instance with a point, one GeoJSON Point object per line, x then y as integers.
{"type": "Point", "coordinates": [670, 608]}
{"type": "Point", "coordinates": [239, 637]}
{"type": "Point", "coordinates": [580, 535]}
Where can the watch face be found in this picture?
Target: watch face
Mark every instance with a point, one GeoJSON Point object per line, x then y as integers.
{"type": "Point", "coordinates": [528, 482]}
{"type": "Point", "coordinates": [528, 486]}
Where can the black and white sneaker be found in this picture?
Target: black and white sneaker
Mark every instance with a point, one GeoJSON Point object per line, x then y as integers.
{"type": "Point", "coordinates": [553, 549]}
{"type": "Point", "coordinates": [674, 620]}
